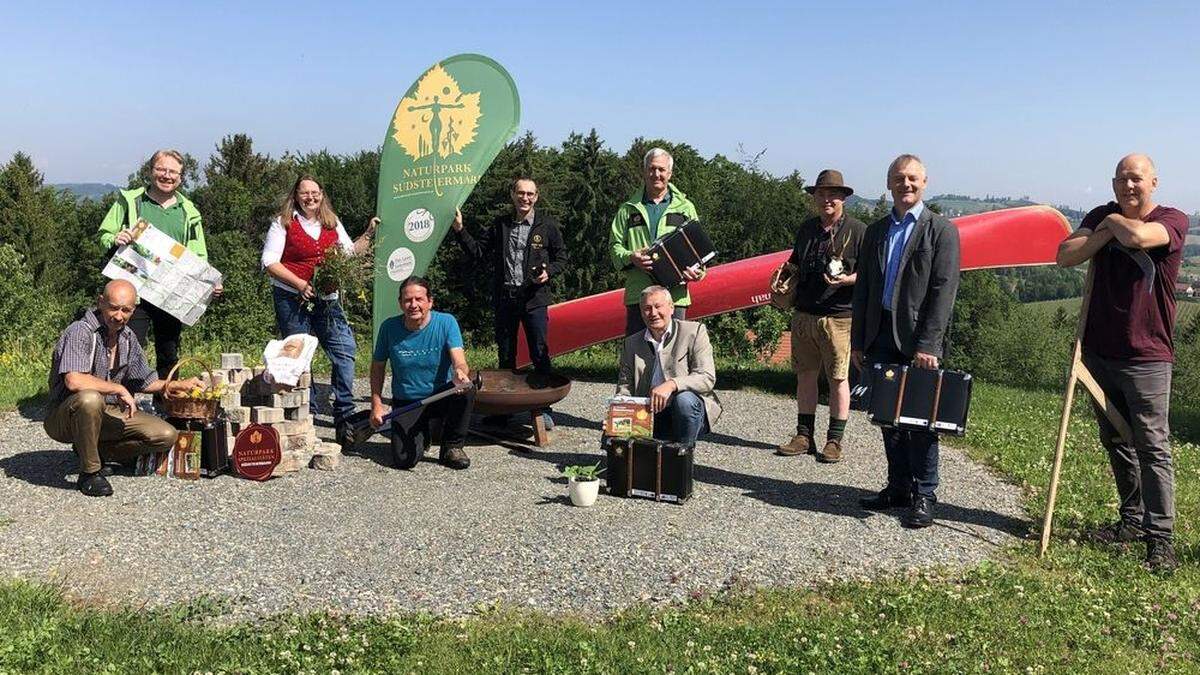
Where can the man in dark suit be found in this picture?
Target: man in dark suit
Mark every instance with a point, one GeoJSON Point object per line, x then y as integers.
{"type": "Point", "coordinates": [526, 251]}
{"type": "Point", "coordinates": [908, 270]}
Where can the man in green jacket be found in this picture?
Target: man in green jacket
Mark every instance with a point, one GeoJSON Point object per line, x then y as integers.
{"type": "Point", "coordinates": [656, 209]}
{"type": "Point", "coordinates": [163, 206]}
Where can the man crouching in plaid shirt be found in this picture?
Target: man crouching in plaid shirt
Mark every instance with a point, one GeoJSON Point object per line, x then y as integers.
{"type": "Point", "coordinates": [97, 364]}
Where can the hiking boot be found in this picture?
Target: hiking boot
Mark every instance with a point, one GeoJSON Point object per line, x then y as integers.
{"type": "Point", "coordinates": [799, 445]}
{"type": "Point", "coordinates": [831, 453]}
{"type": "Point", "coordinates": [454, 458]}
{"type": "Point", "coordinates": [886, 499]}
{"type": "Point", "coordinates": [94, 485]}
{"type": "Point", "coordinates": [1120, 532]}
{"type": "Point", "coordinates": [921, 513]}
{"type": "Point", "coordinates": [1160, 556]}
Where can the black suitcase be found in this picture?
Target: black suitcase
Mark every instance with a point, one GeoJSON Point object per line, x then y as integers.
{"type": "Point", "coordinates": [214, 446]}
{"type": "Point", "coordinates": [917, 399]}
{"type": "Point", "coordinates": [678, 250]}
{"type": "Point", "coordinates": [648, 468]}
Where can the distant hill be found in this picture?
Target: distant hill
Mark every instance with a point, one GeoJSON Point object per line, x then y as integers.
{"type": "Point", "coordinates": [961, 205]}
{"type": "Point", "coordinates": [96, 191]}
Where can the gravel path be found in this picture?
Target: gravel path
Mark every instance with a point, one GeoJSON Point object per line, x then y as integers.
{"type": "Point", "coordinates": [370, 539]}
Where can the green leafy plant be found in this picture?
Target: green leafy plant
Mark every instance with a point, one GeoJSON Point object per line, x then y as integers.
{"type": "Point", "coordinates": [583, 472]}
{"type": "Point", "coordinates": [346, 273]}
{"type": "Point", "coordinates": [339, 270]}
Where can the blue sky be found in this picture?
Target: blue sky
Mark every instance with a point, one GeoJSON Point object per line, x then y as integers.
{"type": "Point", "coordinates": [1012, 98]}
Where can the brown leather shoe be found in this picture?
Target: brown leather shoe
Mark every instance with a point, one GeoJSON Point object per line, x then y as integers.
{"type": "Point", "coordinates": [831, 453]}
{"type": "Point", "coordinates": [799, 445]}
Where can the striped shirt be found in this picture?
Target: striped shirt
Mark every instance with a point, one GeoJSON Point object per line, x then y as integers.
{"type": "Point", "coordinates": [81, 349]}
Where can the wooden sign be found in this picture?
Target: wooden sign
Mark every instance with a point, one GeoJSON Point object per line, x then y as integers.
{"type": "Point", "coordinates": [256, 452]}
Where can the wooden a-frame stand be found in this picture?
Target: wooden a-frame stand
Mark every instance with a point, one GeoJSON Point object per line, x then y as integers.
{"type": "Point", "coordinates": [1081, 375]}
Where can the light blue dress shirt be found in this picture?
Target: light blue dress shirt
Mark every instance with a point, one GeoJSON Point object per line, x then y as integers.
{"type": "Point", "coordinates": [897, 238]}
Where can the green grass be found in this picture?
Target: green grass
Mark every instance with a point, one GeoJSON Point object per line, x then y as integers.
{"type": "Point", "coordinates": [1081, 609]}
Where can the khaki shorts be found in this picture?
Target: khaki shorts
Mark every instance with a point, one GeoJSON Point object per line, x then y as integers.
{"type": "Point", "coordinates": [821, 342]}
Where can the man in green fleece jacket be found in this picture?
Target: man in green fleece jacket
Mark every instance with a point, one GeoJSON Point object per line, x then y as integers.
{"type": "Point", "coordinates": [163, 206]}
{"type": "Point", "coordinates": [656, 209]}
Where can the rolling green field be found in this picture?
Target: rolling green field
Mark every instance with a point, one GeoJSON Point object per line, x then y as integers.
{"type": "Point", "coordinates": [1185, 314]}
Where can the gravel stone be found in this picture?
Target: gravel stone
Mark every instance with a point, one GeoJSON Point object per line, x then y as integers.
{"type": "Point", "coordinates": [370, 539]}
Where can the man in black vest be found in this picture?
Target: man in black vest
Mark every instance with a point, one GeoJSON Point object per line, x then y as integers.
{"type": "Point", "coordinates": [526, 251]}
{"type": "Point", "coordinates": [908, 269]}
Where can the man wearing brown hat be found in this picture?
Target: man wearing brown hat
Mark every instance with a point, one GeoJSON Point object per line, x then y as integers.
{"type": "Point", "coordinates": [825, 256]}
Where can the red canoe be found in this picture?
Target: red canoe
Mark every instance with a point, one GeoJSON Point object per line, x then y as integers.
{"type": "Point", "coordinates": [1018, 237]}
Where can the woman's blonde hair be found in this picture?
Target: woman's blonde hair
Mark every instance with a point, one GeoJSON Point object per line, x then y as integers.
{"type": "Point", "coordinates": [291, 204]}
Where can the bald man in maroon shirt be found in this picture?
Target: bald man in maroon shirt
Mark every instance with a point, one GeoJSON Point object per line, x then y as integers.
{"type": "Point", "coordinates": [1135, 247]}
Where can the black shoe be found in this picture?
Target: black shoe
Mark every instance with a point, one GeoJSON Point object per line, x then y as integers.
{"type": "Point", "coordinates": [1120, 532]}
{"type": "Point", "coordinates": [94, 485]}
{"type": "Point", "coordinates": [454, 458]}
{"type": "Point", "coordinates": [1160, 556]}
{"type": "Point", "coordinates": [886, 499]}
{"type": "Point", "coordinates": [921, 513]}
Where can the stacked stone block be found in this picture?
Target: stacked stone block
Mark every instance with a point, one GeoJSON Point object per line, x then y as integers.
{"type": "Point", "coordinates": [250, 398]}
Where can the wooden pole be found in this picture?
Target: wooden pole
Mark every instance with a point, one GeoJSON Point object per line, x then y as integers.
{"type": "Point", "coordinates": [1060, 448]}
{"type": "Point", "coordinates": [1065, 421]}
{"type": "Point", "coordinates": [1079, 373]}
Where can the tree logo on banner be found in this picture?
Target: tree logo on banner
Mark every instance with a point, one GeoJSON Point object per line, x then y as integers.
{"type": "Point", "coordinates": [438, 120]}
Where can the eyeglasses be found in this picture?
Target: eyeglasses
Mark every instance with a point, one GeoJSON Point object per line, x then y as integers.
{"type": "Point", "coordinates": [170, 173]}
{"type": "Point", "coordinates": [315, 193]}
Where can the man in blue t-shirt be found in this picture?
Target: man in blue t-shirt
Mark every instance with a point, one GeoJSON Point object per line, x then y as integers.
{"type": "Point", "coordinates": [425, 349]}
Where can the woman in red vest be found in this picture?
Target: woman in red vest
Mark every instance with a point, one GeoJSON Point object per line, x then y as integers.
{"type": "Point", "coordinates": [295, 245]}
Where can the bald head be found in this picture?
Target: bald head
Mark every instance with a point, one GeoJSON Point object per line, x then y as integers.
{"type": "Point", "coordinates": [116, 305]}
{"type": "Point", "coordinates": [1134, 183]}
{"type": "Point", "coordinates": [1139, 162]}
{"type": "Point", "coordinates": [119, 292]}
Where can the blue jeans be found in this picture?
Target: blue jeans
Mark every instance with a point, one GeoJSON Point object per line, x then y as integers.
{"type": "Point", "coordinates": [682, 420]}
{"type": "Point", "coordinates": [912, 456]}
{"type": "Point", "coordinates": [326, 321]}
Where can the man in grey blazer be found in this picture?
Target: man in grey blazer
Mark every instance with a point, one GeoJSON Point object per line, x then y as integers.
{"type": "Point", "coordinates": [908, 270]}
{"type": "Point", "coordinates": [671, 363]}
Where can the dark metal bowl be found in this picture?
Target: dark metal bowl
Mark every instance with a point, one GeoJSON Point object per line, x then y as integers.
{"type": "Point", "coordinates": [504, 392]}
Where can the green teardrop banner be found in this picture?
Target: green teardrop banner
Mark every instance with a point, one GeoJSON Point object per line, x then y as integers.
{"type": "Point", "coordinates": [450, 125]}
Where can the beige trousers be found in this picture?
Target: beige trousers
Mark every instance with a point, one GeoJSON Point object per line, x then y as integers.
{"type": "Point", "coordinates": [100, 432]}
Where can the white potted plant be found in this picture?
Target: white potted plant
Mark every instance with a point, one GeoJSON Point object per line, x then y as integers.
{"type": "Point", "coordinates": [583, 483]}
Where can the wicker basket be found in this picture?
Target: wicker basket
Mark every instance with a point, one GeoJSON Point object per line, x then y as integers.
{"type": "Point", "coordinates": [185, 407]}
